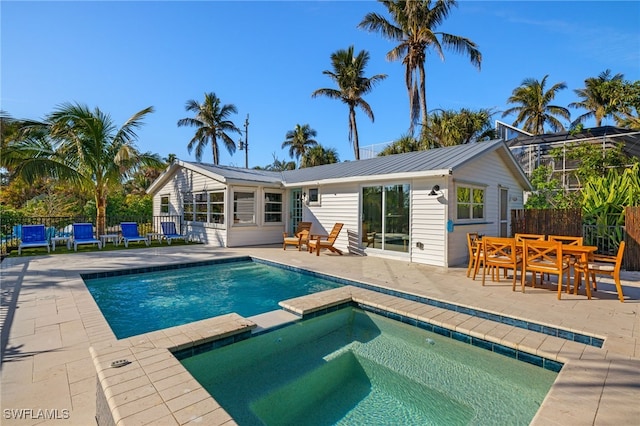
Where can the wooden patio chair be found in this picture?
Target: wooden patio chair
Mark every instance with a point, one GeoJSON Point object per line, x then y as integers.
{"type": "Point", "coordinates": [531, 237]}
{"type": "Point", "coordinates": [318, 242]}
{"type": "Point", "coordinates": [567, 240]}
{"type": "Point", "coordinates": [544, 257]}
{"type": "Point", "coordinates": [500, 253]}
{"type": "Point", "coordinates": [300, 237]}
{"type": "Point", "coordinates": [601, 264]}
{"type": "Point", "coordinates": [474, 245]}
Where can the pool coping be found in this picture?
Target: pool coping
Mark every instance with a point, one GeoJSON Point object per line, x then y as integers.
{"type": "Point", "coordinates": [155, 387]}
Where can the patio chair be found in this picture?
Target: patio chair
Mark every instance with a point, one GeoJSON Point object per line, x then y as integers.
{"type": "Point", "coordinates": [130, 233]}
{"type": "Point", "coordinates": [531, 237]}
{"type": "Point", "coordinates": [300, 237]}
{"type": "Point", "coordinates": [33, 236]}
{"type": "Point", "coordinates": [318, 242]}
{"type": "Point", "coordinates": [83, 234]}
{"type": "Point", "coordinates": [601, 264]}
{"type": "Point", "coordinates": [474, 244]}
{"type": "Point", "coordinates": [499, 253]}
{"type": "Point", "coordinates": [544, 257]}
{"type": "Point", "coordinates": [169, 232]}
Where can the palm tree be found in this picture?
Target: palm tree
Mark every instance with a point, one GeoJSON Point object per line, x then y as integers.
{"type": "Point", "coordinates": [299, 140]}
{"type": "Point", "coordinates": [413, 25]}
{"type": "Point", "coordinates": [406, 143]}
{"type": "Point", "coordinates": [595, 98]}
{"type": "Point", "coordinates": [534, 110]}
{"type": "Point", "coordinates": [348, 73]}
{"type": "Point", "coordinates": [211, 121]}
{"type": "Point", "coordinates": [84, 148]}
{"type": "Point", "coordinates": [319, 155]}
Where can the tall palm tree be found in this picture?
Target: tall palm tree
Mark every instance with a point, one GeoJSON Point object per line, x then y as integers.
{"type": "Point", "coordinates": [348, 73]}
{"type": "Point", "coordinates": [319, 155]}
{"type": "Point", "coordinates": [413, 26]}
{"type": "Point", "coordinates": [211, 122]}
{"type": "Point", "coordinates": [85, 148]}
{"type": "Point", "coordinates": [299, 140]}
{"type": "Point", "coordinates": [595, 98]}
{"type": "Point", "coordinates": [534, 109]}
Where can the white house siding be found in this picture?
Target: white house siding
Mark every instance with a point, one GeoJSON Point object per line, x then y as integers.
{"type": "Point", "coordinates": [260, 233]}
{"type": "Point", "coordinates": [428, 223]}
{"type": "Point", "coordinates": [488, 170]}
{"type": "Point", "coordinates": [338, 203]}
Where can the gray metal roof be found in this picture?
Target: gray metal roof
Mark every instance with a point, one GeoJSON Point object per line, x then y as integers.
{"type": "Point", "coordinates": [448, 158]}
{"type": "Point", "coordinates": [433, 161]}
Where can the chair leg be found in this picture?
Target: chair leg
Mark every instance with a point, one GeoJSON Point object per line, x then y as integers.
{"type": "Point", "coordinates": [559, 285]}
{"type": "Point", "coordinates": [616, 278]}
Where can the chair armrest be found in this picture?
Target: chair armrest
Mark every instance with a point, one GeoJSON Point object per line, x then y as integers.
{"type": "Point", "coordinates": [604, 258]}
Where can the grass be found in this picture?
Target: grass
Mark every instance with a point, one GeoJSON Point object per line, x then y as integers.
{"type": "Point", "coordinates": [87, 248]}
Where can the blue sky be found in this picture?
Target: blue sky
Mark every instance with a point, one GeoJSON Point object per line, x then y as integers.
{"type": "Point", "coordinates": [267, 58]}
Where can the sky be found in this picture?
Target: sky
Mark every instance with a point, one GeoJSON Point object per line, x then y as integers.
{"type": "Point", "coordinates": [267, 57]}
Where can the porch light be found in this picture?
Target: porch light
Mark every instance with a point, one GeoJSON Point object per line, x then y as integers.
{"type": "Point", "coordinates": [434, 190]}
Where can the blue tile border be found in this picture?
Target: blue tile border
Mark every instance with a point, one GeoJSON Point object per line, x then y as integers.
{"type": "Point", "coordinates": [214, 344]}
{"type": "Point", "coordinates": [527, 325]}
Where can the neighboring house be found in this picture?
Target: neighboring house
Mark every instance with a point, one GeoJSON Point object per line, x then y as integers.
{"type": "Point", "coordinates": [533, 151]}
{"type": "Point", "coordinates": [416, 206]}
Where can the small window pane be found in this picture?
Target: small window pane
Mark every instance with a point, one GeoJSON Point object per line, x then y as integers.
{"type": "Point", "coordinates": [164, 204]}
{"type": "Point", "coordinates": [313, 195]}
{"type": "Point", "coordinates": [272, 207]}
{"type": "Point", "coordinates": [244, 207]}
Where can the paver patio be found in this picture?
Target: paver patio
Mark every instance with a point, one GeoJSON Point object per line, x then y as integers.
{"type": "Point", "coordinates": [49, 322]}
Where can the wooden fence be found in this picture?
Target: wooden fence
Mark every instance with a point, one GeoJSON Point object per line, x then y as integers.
{"type": "Point", "coordinates": [569, 222]}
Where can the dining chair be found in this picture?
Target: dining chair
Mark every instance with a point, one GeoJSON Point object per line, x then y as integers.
{"type": "Point", "coordinates": [535, 237]}
{"type": "Point", "coordinates": [544, 257]}
{"type": "Point", "coordinates": [568, 240]}
{"type": "Point", "coordinates": [474, 245]}
{"type": "Point", "coordinates": [499, 253]}
{"type": "Point", "coordinates": [601, 264]}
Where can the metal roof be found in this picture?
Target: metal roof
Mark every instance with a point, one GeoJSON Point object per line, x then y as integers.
{"type": "Point", "coordinates": [423, 163]}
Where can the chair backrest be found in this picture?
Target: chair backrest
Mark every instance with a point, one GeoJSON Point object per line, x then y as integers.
{"type": "Point", "coordinates": [129, 229]}
{"type": "Point", "coordinates": [547, 254]}
{"type": "Point", "coordinates": [303, 226]}
{"type": "Point", "coordinates": [83, 231]}
{"type": "Point", "coordinates": [565, 239]}
{"type": "Point", "coordinates": [33, 233]}
{"type": "Point", "coordinates": [333, 235]}
{"type": "Point", "coordinates": [168, 228]}
{"type": "Point", "coordinates": [498, 249]}
{"type": "Point", "coordinates": [472, 242]}
{"type": "Point", "coordinates": [521, 237]}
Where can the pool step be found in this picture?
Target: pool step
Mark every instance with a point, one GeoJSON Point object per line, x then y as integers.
{"type": "Point", "coordinates": [272, 319]}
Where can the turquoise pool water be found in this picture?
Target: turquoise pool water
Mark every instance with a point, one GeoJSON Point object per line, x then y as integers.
{"type": "Point", "coordinates": [138, 303]}
{"type": "Point", "coordinates": [352, 367]}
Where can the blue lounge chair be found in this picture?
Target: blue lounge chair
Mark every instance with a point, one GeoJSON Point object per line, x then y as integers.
{"type": "Point", "coordinates": [169, 232]}
{"type": "Point", "coordinates": [33, 236]}
{"type": "Point", "coordinates": [130, 233]}
{"type": "Point", "coordinates": [83, 234]}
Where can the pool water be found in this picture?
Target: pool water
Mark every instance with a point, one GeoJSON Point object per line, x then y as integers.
{"type": "Point", "coordinates": [139, 303]}
{"type": "Point", "coordinates": [354, 367]}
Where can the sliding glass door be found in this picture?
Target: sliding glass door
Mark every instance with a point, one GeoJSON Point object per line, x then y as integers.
{"type": "Point", "coordinates": [385, 217]}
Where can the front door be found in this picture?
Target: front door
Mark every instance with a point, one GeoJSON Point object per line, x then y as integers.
{"type": "Point", "coordinates": [295, 213]}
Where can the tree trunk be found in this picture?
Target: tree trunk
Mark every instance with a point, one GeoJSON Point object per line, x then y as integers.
{"type": "Point", "coordinates": [101, 207]}
{"type": "Point", "coordinates": [354, 129]}
{"type": "Point", "coordinates": [214, 147]}
{"type": "Point", "coordinates": [423, 102]}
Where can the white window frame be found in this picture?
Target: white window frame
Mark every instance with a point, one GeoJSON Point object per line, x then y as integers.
{"type": "Point", "coordinates": [471, 203]}
{"type": "Point", "coordinates": [188, 206]}
{"type": "Point", "coordinates": [164, 205]}
{"type": "Point", "coordinates": [237, 220]}
{"type": "Point", "coordinates": [201, 207]}
{"type": "Point", "coordinates": [313, 196]}
{"type": "Point", "coordinates": [220, 215]}
{"type": "Point", "coordinates": [268, 201]}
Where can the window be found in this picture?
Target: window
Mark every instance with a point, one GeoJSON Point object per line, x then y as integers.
{"type": "Point", "coordinates": [216, 207]}
{"type": "Point", "coordinates": [187, 202]}
{"type": "Point", "coordinates": [470, 202]}
{"type": "Point", "coordinates": [201, 207]}
{"type": "Point", "coordinates": [314, 195]}
{"type": "Point", "coordinates": [244, 207]}
{"type": "Point", "coordinates": [385, 217]}
{"type": "Point", "coordinates": [272, 207]}
{"type": "Point", "coordinates": [164, 204]}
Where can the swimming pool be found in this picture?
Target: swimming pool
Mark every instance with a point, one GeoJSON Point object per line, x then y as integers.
{"type": "Point", "coordinates": [142, 301]}
{"type": "Point", "coordinates": [356, 367]}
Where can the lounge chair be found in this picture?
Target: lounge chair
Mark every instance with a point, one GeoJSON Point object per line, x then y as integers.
{"type": "Point", "coordinates": [169, 232]}
{"type": "Point", "coordinates": [33, 236]}
{"type": "Point", "coordinates": [318, 242]}
{"type": "Point", "coordinates": [299, 238]}
{"type": "Point", "coordinates": [130, 233]}
{"type": "Point", "coordinates": [83, 234]}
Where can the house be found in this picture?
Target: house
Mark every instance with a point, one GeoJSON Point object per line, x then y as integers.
{"type": "Point", "coordinates": [532, 151]}
{"type": "Point", "coordinates": [416, 206]}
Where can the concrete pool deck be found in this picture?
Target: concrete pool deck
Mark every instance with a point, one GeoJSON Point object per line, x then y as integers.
{"type": "Point", "coordinates": [49, 322]}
